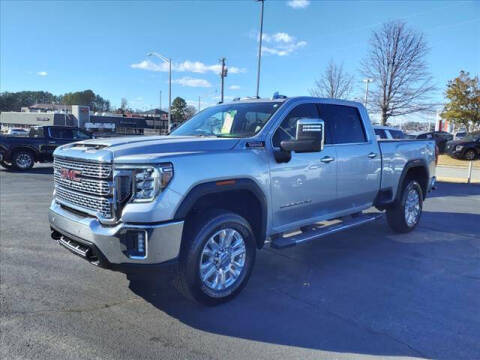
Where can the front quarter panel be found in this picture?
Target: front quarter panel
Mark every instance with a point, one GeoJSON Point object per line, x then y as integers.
{"type": "Point", "coordinates": [197, 168]}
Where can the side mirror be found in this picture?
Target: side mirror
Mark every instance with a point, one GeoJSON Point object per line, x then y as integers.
{"type": "Point", "coordinates": [310, 137]}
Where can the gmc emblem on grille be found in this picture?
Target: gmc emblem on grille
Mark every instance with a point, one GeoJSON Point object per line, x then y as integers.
{"type": "Point", "coordinates": [69, 174]}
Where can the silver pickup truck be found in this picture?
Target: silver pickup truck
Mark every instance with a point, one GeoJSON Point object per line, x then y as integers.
{"type": "Point", "coordinates": [233, 179]}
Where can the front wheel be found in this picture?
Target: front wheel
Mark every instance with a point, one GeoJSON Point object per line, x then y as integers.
{"type": "Point", "coordinates": [470, 155]}
{"type": "Point", "coordinates": [405, 214]}
{"type": "Point", "coordinates": [23, 160]}
{"type": "Point", "coordinates": [217, 259]}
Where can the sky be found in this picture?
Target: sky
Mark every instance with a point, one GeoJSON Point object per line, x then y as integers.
{"type": "Point", "coordinates": [76, 45]}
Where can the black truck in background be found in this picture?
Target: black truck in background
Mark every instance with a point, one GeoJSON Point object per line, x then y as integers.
{"type": "Point", "coordinates": [21, 153]}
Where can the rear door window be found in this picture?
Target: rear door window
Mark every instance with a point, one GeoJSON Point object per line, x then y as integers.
{"type": "Point", "coordinates": [60, 133]}
{"type": "Point", "coordinates": [380, 133]}
{"type": "Point", "coordinates": [344, 122]}
{"type": "Point", "coordinates": [397, 134]}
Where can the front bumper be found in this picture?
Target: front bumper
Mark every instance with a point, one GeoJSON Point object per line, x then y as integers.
{"type": "Point", "coordinates": [107, 245]}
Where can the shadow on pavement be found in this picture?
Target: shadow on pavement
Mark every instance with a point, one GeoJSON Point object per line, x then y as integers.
{"type": "Point", "coordinates": [445, 189]}
{"type": "Point", "coordinates": [366, 291]}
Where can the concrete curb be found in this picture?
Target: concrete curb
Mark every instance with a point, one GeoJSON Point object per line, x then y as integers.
{"type": "Point", "coordinates": [457, 180]}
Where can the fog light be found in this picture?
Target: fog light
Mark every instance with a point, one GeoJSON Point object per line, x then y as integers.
{"type": "Point", "coordinates": [137, 244]}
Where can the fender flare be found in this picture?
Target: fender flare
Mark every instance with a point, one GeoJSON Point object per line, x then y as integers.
{"type": "Point", "coordinates": [417, 163]}
{"type": "Point", "coordinates": [217, 187]}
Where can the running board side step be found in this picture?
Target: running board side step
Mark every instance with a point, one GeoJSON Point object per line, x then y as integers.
{"type": "Point", "coordinates": [318, 232]}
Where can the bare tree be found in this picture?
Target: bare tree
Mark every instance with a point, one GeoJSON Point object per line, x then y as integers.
{"type": "Point", "coordinates": [396, 63]}
{"type": "Point", "coordinates": [334, 83]}
{"type": "Point", "coordinates": [190, 111]}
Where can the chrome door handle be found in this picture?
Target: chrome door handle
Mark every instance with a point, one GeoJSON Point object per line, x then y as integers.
{"type": "Point", "coordinates": [327, 159]}
{"type": "Point", "coordinates": [372, 155]}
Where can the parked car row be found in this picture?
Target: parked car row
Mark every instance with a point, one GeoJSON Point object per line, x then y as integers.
{"type": "Point", "coordinates": [464, 147]}
{"type": "Point", "coordinates": [467, 148]}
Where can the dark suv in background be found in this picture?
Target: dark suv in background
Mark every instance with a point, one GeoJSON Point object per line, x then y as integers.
{"type": "Point", "coordinates": [441, 138]}
{"type": "Point", "coordinates": [467, 148]}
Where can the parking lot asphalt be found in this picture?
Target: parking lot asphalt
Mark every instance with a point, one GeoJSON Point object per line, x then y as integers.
{"type": "Point", "coordinates": [363, 293]}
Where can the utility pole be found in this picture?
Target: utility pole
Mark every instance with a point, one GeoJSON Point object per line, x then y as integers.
{"type": "Point", "coordinates": [366, 81]}
{"type": "Point", "coordinates": [260, 48]}
{"type": "Point", "coordinates": [223, 74]}
{"type": "Point", "coordinates": [169, 126]}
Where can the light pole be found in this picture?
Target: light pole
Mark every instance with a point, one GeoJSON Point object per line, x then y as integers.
{"type": "Point", "coordinates": [169, 62]}
{"type": "Point", "coordinates": [260, 47]}
{"type": "Point", "coordinates": [223, 74]}
{"type": "Point", "coordinates": [366, 81]}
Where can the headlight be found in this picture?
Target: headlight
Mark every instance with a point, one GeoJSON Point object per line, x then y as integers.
{"type": "Point", "coordinates": [458, 148]}
{"type": "Point", "coordinates": [150, 180]}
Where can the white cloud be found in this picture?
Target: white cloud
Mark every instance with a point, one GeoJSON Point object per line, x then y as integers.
{"type": "Point", "coordinates": [234, 87]}
{"type": "Point", "coordinates": [281, 44]}
{"type": "Point", "coordinates": [298, 4]}
{"type": "Point", "coordinates": [278, 37]}
{"type": "Point", "coordinates": [186, 66]}
{"type": "Point", "coordinates": [192, 82]}
{"type": "Point", "coordinates": [42, 73]}
{"type": "Point", "coordinates": [150, 66]}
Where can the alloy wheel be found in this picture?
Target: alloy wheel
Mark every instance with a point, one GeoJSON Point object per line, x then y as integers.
{"type": "Point", "coordinates": [222, 259]}
{"type": "Point", "coordinates": [412, 207]}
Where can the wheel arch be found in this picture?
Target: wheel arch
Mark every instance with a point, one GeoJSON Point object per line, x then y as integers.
{"type": "Point", "coordinates": [25, 148]}
{"type": "Point", "coordinates": [414, 169]}
{"type": "Point", "coordinates": [242, 196]}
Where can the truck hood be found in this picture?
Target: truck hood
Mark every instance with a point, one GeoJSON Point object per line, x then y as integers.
{"type": "Point", "coordinates": [143, 149]}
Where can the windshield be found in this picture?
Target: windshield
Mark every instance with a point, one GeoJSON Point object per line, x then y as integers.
{"type": "Point", "coordinates": [229, 120]}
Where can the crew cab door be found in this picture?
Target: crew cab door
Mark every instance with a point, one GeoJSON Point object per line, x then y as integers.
{"type": "Point", "coordinates": [304, 188]}
{"type": "Point", "coordinates": [358, 157]}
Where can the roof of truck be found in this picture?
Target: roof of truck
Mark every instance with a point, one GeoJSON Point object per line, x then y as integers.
{"type": "Point", "coordinates": [284, 99]}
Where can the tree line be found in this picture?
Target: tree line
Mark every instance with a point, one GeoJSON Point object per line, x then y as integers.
{"type": "Point", "coordinates": [14, 101]}
{"type": "Point", "coordinates": [401, 81]}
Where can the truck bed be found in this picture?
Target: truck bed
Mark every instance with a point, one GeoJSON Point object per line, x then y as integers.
{"type": "Point", "coordinates": [397, 153]}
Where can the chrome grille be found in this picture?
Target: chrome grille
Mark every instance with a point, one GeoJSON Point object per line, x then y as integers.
{"type": "Point", "coordinates": [86, 185]}
{"type": "Point", "coordinates": [92, 204]}
{"type": "Point", "coordinates": [89, 169]}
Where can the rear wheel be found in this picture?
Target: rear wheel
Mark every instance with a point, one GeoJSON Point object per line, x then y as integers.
{"type": "Point", "coordinates": [217, 259]}
{"type": "Point", "coordinates": [405, 214]}
{"type": "Point", "coordinates": [470, 154]}
{"type": "Point", "coordinates": [23, 160]}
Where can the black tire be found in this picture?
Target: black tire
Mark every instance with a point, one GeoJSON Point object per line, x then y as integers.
{"type": "Point", "coordinates": [200, 231]}
{"type": "Point", "coordinates": [396, 214]}
{"type": "Point", "coordinates": [470, 154]}
{"type": "Point", "coordinates": [23, 160]}
{"type": "Point", "coordinates": [6, 165]}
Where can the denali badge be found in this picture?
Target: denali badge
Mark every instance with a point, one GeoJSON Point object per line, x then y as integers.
{"type": "Point", "coordinates": [69, 174]}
